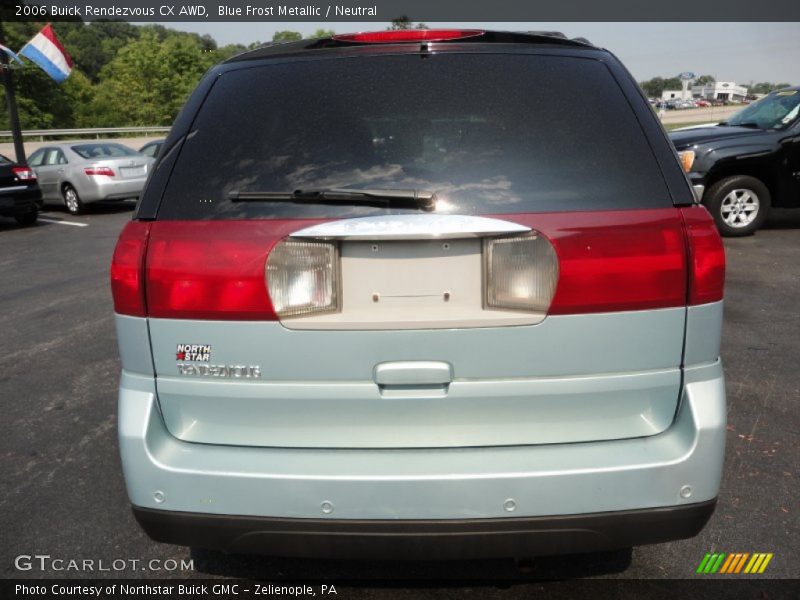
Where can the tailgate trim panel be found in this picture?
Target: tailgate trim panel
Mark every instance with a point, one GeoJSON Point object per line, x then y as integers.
{"type": "Point", "coordinates": [411, 227]}
{"type": "Point", "coordinates": [469, 413]}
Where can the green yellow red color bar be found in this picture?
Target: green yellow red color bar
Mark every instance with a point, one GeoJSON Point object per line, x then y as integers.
{"type": "Point", "coordinates": [735, 562]}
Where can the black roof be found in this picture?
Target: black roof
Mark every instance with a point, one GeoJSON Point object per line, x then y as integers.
{"type": "Point", "coordinates": [553, 38]}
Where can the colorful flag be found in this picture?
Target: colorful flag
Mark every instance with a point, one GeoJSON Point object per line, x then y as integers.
{"type": "Point", "coordinates": [46, 51]}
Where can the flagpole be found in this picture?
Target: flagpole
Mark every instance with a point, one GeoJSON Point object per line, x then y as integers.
{"type": "Point", "coordinates": [13, 115]}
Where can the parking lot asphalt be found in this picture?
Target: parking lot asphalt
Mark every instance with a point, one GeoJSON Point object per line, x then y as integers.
{"type": "Point", "coordinates": [61, 488]}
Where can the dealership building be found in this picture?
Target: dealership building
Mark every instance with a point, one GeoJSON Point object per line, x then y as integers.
{"type": "Point", "coordinates": [720, 90]}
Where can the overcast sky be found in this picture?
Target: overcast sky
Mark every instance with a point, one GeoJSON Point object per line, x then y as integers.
{"type": "Point", "coordinates": [741, 52]}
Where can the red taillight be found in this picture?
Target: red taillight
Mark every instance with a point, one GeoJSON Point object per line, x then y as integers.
{"type": "Point", "coordinates": [24, 173]}
{"type": "Point", "coordinates": [607, 261]}
{"type": "Point", "coordinates": [212, 269]}
{"type": "Point", "coordinates": [615, 260]}
{"type": "Point", "coordinates": [408, 35]}
{"type": "Point", "coordinates": [706, 256]}
{"type": "Point", "coordinates": [127, 270]}
{"type": "Point", "coordinates": [107, 171]}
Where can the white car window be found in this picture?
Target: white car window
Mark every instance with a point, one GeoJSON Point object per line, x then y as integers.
{"type": "Point", "coordinates": [35, 159]}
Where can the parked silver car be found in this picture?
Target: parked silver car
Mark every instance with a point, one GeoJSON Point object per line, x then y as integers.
{"type": "Point", "coordinates": [371, 305]}
{"type": "Point", "coordinates": [82, 172]}
{"type": "Point", "coordinates": [152, 149]}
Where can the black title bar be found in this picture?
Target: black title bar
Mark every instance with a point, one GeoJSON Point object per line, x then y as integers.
{"type": "Point", "coordinates": [384, 11]}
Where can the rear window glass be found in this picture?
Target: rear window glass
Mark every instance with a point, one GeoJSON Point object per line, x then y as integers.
{"type": "Point", "coordinates": [103, 150]}
{"type": "Point", "coordinates": [488, 133]}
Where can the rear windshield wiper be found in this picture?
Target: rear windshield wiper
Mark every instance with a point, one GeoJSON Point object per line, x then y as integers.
{"type": "Point", "coordinates": [376, 197]}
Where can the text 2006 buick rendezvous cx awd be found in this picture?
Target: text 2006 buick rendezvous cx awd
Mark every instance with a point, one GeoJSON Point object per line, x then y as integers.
{"type": "Point", "coordinates": [442, 291]}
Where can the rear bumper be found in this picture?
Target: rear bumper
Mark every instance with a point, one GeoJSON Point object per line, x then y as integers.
{"type": "Point", "coordinates": [613, 493]}
{"type": "Point", "coordinates": [434, 539]}
{"type": "Point", "coordinates": [96, 189]}
{"type": "Point", "coordinates": [20, 202]}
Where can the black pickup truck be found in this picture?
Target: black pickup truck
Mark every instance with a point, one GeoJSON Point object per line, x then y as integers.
{"type": "Point", "coordinates": [747, 164]}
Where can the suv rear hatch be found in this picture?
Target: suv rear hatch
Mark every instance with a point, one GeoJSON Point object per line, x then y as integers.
{"type": "Point", "coordinates": [539, 298]}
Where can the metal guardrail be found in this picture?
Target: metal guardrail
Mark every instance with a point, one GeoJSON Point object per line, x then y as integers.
{"type": "Point", "coordinates": [95, 131]}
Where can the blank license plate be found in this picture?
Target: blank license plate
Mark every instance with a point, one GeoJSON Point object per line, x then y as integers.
{"type": "Point", "coordinates": [131, 171]}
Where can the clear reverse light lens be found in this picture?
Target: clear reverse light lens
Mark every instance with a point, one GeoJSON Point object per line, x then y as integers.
{"type": "Point", "coordinates": [303, 278]}
{"type": "Point", "coordinates": [521, 273]}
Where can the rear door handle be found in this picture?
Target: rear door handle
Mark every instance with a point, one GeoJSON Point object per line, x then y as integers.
{"type": "Point", "coordinates": [413, 373]}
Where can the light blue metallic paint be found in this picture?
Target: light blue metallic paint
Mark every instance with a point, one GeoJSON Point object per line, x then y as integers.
{"type": "Point", "coordinates": [494, 412]}
{"type": "Point", "coordinates": [573, 378]}
{"type": "Point", "coordinates": [702, 344]}
{"type": "Point", "coordinates": [453, 483]}
{"type": "Point", "coordinates": [703, 333]}
{"type": "Point", "coordinates": [620, 342]}
{"type": "Point", "coordinates": [133, 340]}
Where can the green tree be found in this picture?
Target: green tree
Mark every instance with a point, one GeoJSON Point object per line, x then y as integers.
{"type": "Point", "coordinates": [78, 94]}
{"type": "Point", "coordinates": [765, 87]}
{"type": "Point", "coordinates": [323, 33]}
{"type": "Point", "coordinates": [149, 81]}
{"type": "Point", "coordinates": [42, 103]}
{"type": "Point", "coordinates": [286, 36]}
{"type": "Point", "coordinates": [225, 52]}
{"type": "Point", "coordinates": [92, 46]}
{"type": "Point", "coordinates": [704, 79]}
{"type": "Point", "coordinates": [403, 22]}
{"type": "Point", "coordinates": [122, 75]}
{"type": "Point", "coordinates": [654, 87]}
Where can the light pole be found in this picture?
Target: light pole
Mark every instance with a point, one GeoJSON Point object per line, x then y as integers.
{"type": "Point", "coordinates": [11, 100]}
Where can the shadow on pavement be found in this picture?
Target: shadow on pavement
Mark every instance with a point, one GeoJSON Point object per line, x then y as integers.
{"type": "Point", "coordinates": [493, 572]}
{"type": "Point", "coordinates": [783, 218]}
{"type": "Point", "coordinates": [54, 210]}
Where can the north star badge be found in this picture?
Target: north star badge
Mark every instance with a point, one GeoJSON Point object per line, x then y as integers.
{"type": "Point", "coordinates": [193, 352]}
{"type": "Point", "coordinates": [187, 355]}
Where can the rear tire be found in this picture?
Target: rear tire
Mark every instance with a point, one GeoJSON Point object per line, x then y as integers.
{"type": "Point", "coordinates": [739, 204]}
{"type": "Point", "coordinates": [27, 219]}
{"type": "Point", "coordinates": [72, 201]}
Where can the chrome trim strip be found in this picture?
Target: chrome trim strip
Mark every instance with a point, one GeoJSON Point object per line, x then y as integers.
{"type": "Point", "coordinates": [411, 227]}
{"type": "Point", "coordinates": [16, 188]}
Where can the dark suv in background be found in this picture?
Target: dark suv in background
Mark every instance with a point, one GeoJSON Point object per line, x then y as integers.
{"type": "Point", "coordinates": [747, 164]}
{"type": "Point", "coordinates": [419, 293]}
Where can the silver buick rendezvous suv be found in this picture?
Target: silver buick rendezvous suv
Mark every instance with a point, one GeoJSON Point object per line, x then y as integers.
{"type": "Point", "coordinates": [441, 293]}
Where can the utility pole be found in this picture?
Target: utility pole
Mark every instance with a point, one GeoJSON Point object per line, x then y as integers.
{"type": "Point", "coordinates": [11, 100]}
